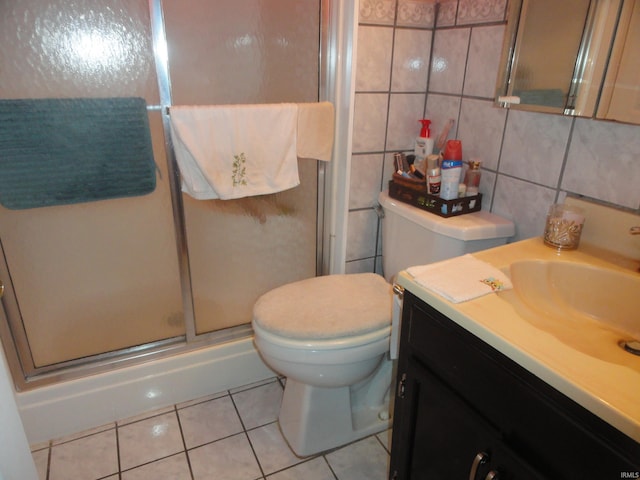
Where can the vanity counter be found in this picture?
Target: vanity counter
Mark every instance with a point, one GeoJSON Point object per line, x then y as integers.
{"type": "Point", "coordinates": [610, 391]}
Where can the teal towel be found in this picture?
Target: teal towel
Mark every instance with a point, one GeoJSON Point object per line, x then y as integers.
{"type": "Point", "coordinates": [547, 98]}
{"type": "Point", "coordinates": [63, 151]}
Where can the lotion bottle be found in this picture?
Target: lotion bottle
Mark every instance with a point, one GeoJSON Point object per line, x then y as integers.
{"type": "Point", "coordinates": [424, 142]}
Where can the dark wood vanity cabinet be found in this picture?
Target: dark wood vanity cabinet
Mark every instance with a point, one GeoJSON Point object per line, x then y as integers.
{"type": "Point", "coordinates": [463, 410]}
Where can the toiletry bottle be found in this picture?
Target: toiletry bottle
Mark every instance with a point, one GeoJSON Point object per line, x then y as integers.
{"type": "Point", "coordinates": [399, 163]}
{"type": "Point", "coordinates": [451, 168]}
{"type": "Point", "coordinates": [433, 174]}
{"type": "Point", "coordinates": [472, 180]}
{"type": "Point", "coordinates": [424, 142]}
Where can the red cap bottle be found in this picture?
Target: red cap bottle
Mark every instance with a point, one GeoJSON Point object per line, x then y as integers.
{"type": "Point", "coordinates": [453, 150]}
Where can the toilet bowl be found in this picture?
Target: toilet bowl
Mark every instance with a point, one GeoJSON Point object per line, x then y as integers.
{"type": "Point", "coordinates": [329, 335]}
{"type": "Point", "coordinates": [323, 363]}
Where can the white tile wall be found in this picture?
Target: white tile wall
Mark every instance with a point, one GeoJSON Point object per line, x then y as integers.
{"type": "Point", "coordinates": [482, 127]}
{"type": "Point", "coordinates": [416, 13]}
{"type": "Point", "coordinates": [604, 162]}
{"type": "Point", "coordinates": [447, 71]}
{"type": "Point", "coordinates": [411, 53]}
{"type": "Point", "coordinates": [530, 160]}
{"type": "Point", "coordinates": [373, 68]}
{"type": "Point", "coordinates": [405, 109]}
{"type": "Point", "coordinates": [484, 59]}
{"type": "Point", "coordinates": [534, 146]}
{"type": "Point", "coordinates": [474, 11]}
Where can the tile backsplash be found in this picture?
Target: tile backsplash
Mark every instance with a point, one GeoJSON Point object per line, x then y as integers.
{"type": "Point", "coordinates": [406, 70]}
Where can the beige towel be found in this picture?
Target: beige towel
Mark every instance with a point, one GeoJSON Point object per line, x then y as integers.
{"type": "Point", "coordinates": [460, 279]}
{"type": "Point", "coordinates": [315, 130]}
{"type": "Point", "coordinates": [234, 151]}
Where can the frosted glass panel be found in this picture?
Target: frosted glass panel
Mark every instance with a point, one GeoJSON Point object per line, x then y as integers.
{"type": "Point", "coordinates": [76, 48]}
{"type": "Point", "coordinates": [243, 51]}
{"type": "Point", "coordinates": [547, 51]}
{"type": "Point", "coordinates": [240, 249]}
{"type": "Point", "coordinates": [246, 51]}
{"type": "Point", "coordinates": [95, 277]}
{"type": "Point", "coordinates": [90, 277]}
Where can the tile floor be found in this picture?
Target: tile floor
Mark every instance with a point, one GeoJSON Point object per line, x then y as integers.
{"type": "Point", "coordinates": [232, 435]}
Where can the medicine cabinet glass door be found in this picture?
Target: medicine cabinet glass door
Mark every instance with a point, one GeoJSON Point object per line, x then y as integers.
{"type": "Point", "coordinates": [547, 45]}
{"type": "Point", "coordinates": [574, 57]}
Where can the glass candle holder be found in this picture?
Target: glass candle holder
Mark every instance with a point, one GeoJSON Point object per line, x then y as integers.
{"type": "Point", "coordinates": [564, 226]}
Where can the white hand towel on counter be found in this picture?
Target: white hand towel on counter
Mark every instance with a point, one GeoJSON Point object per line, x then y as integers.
{"type": "Point", "coordinates": [234, 151]}
{"type": "Point", "coordinates": [460, 279]}
{"type": "Point", "coordinates": [315, 130]}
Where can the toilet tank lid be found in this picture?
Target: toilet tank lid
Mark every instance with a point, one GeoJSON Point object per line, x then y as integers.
{"type": "Point", "coordinates": [471, 226]}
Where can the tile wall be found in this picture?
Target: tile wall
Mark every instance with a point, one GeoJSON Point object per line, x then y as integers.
{"type": "Point", "coordinates": [409, 64]}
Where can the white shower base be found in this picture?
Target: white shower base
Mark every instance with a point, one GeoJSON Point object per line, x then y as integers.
{"type": "Point", "coordinates": [72, 406]}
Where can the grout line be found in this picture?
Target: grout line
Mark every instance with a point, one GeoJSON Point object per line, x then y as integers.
{"type": "Point", "coordinates": [244, 430]}
{"type": "Point", "coordinates": [184, 442]}
{"type": "Point", "coordinates": [118, 451]}
{"type": "Point", "coordinates": [330, 467]}
{"type": "Point", "coordinates": [380, 441]}
{"type": "Point", "coordinates": [49, 455]}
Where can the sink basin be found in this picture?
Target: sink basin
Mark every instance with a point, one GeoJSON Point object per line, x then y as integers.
{"type": "Point", "coordinates": [589, 308]}
{"type": "Point", "coordinates": [580, 291]}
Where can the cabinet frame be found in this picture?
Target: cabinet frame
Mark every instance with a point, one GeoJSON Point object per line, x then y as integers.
{"type": "Point", "coordinates": [548, 434]}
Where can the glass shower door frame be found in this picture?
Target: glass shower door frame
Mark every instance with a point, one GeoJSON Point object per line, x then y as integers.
{"type": "Point", "coordinates": [12, 331]}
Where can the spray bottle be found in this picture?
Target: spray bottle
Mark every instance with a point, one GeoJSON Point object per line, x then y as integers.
{"type": "Point", "coordinates": [451, 167]}
{"type": "Point", "coordinates": [424, 144]}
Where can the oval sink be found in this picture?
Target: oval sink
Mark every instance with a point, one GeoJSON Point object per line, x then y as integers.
{"type": "Point", "coordinates": [589, 308]}
{"type": "Point", "coordinates": [580, 291]}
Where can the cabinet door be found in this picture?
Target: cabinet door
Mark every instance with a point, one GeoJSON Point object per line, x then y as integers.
{"type": "Point", "coordinates": [461, 397]}
{"type": "Point", "coordinates": [448, 438]}
{"type": "Point", "coordinates": [447, 435]}
{"type": "Point", "coordinates": [624, 105]}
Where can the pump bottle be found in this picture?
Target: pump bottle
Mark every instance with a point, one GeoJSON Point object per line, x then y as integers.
{"type": "Point", "coordinates": [424, 144]}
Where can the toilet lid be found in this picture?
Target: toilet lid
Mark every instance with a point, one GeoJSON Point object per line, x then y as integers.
{"type": "Point", "coordinates": [326, 307]}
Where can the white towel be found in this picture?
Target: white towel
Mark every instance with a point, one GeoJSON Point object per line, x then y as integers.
{"type": "Point", "coordinates": [234, 151]}
{"type": "Point", "coordinates": [315, 130]}
{"type": "Point", "coordinates": [460, 279]}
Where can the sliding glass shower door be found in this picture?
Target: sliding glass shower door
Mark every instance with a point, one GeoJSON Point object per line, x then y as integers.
{"type": "Point", "coordinates": [243, 52]}
{"type": "Point", "coordinates": [102, 280]}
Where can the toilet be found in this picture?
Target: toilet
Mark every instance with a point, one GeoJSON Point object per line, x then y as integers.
{"type": "Point", "coordinates": [329, 335]}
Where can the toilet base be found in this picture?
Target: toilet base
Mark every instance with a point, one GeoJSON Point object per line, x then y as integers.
{"type": "Point", "coordinates": [316, 419]}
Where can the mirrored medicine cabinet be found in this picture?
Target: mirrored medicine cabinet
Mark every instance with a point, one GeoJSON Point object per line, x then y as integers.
{"type": "Point", "coordinates": [572, 57]}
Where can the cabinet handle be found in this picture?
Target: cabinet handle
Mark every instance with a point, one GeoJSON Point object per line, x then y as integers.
{"type": "Point", "coordinates": [398, 290]}
{"type": "Point", "coordinates": [492, 475]}
{"type": "Point", "coordinates": [401, 385]}
{"type": "Point", "coordinates": [480, 459]}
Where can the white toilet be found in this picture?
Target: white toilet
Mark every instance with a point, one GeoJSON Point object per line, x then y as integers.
{"type": "Point", "coordinates": [330, 335]}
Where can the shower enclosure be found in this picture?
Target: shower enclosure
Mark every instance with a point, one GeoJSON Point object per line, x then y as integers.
{"type": "Point", "coordinates": [91, 285]}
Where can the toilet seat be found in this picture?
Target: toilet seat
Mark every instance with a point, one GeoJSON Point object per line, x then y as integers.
{"type": "Point", "coordinates": [326, 308]}
{"type": "Point", "coordinates": [323, 344]}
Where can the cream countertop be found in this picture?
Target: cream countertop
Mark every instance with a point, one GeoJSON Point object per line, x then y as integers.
{"type": "Point", "coordinates": [608, 390]}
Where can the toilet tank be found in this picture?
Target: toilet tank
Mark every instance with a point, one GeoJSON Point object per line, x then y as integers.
{"type": "Point", "coordinates": [411, 236]}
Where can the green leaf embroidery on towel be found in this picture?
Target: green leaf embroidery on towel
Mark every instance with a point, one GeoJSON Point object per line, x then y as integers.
{"type": "Point", "coordinates": [239, 173]}
{"type": "Point", "coordinates": [495, 284]}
